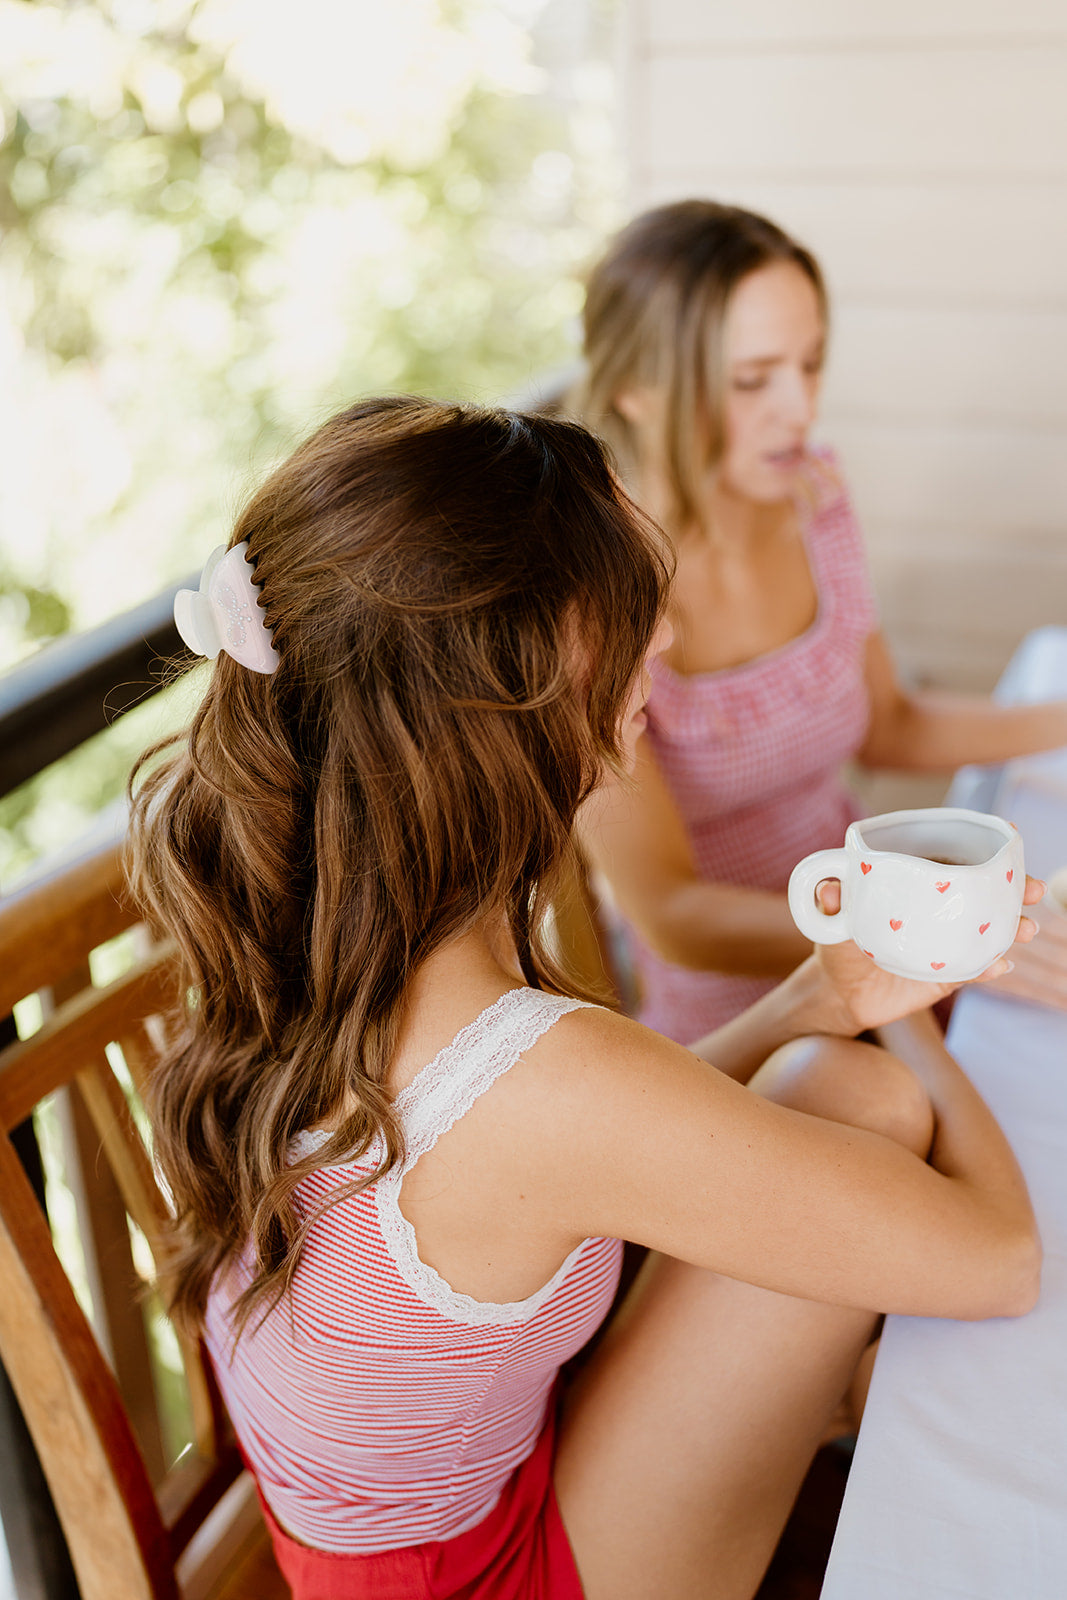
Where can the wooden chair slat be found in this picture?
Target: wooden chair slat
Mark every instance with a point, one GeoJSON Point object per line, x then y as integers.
{"type": "Point", "coordinates": [128, 1160]}
{"type": "Point", "coordinates": [230, 1557]}
{"type": "Point", "coordinates": [580, 936]}
{"type": "Point", "coordinates": [118, 1543]}
{"type": "Point", "coordinates": [118, 1310]}
{"type": "Point", "coordinates": [140, 1055]}
{"type": "Point", "coordinates": [99, 1437]}
{"type": "Point", "coordinates": [191, 1488]}
{"type": "Point", "coordinates": [33, 1068]}
{"type": "Point", "coordinates": [210, 1423]}
{"type": "Point", "coordinates": [51, 926]}
{"type": "Point", "coordinates": [122, 1144]}
{"type": "Point", "coordinates": [114, 1282]}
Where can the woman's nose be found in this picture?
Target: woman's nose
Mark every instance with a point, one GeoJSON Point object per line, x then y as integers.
{"type": "Point", "coordinates": [797, 397]}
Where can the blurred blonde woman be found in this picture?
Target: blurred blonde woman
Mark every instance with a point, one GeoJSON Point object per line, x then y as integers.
{"type": "Point", "coordinates": [705, 337]}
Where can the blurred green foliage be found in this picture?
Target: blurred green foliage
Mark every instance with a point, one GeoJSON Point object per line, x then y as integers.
{"type": "Point", "coordinates": [197, 268]}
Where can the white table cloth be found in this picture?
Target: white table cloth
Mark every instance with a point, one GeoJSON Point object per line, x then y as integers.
{"type": "Point", "coordinates": [958, 1489]}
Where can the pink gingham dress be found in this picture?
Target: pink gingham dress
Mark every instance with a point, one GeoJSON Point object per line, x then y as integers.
{"type": "Point", "coordinates": [752, 754]}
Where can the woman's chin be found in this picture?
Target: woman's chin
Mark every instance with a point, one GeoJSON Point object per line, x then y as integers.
{"type": "Point", "coordinates": [766, 483]}
{"type": "Point", "coordinates": [776, 486]}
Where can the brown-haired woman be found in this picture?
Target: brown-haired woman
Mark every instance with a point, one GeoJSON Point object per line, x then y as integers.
{"type": "Point", "coordinates": [403, 1148]}
{"type": "Point", "coordinates": [705, 335]}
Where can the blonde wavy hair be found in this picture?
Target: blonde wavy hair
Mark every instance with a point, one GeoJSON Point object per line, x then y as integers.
{"type": "Point", "coordinates": [654, 311]}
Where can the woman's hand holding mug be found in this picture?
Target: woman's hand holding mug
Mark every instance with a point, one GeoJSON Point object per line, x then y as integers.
{"type": "Point", "coordinates": [1040, 974]}
{"type": "Point", "coordinates": [927, 875]}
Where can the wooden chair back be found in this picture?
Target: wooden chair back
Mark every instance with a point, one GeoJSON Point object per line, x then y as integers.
{"type": "Point", "coordinates": [581, 937]}
{"type": "Point", "coordinates": [86, 1386]}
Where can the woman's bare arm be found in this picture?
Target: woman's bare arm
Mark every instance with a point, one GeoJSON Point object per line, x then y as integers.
{"type": "Point", "coordinates": [658, 1148]}
{"type": "Point", "coordinates": [917, 731]}
{"type": "Point", "coordinates": [633, 834]}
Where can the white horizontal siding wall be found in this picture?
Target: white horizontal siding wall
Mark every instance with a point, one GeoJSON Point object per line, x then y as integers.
{"type": "Point", "coordinates": [920, 148]}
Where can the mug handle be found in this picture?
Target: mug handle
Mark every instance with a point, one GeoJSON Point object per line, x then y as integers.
{"type": "Point", "coordinates": [821, 927]}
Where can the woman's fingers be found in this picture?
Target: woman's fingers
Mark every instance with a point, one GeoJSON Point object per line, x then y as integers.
{"type": "Point", "coordinates": [1053, 924]}
{"type": "Point", "coordinates": [828, 896]}
{"type": "Point", "coordinates": [1035, 971]}
{"type": "Point", "coordinates": [1040, 961]}
{"type": "Point", "coordinates": [1027, 931]}
{"type": "Point", "coordinates": [1036, 989]}
{"type": "Point", "coordinates": [1000, 969]}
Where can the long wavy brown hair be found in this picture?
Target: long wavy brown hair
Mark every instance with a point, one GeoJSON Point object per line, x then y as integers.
{"type": "Point", "coordinates": [461, 599]}
{"type": "Point", "coordinates": [654, 311]}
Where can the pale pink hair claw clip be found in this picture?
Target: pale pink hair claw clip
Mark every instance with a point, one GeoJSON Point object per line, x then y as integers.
{"type": "Point", "coordinates": [226, 613]}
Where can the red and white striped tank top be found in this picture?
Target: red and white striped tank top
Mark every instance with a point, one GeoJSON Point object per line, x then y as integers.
{"type": "Point", "coordinates": [378, 1407]}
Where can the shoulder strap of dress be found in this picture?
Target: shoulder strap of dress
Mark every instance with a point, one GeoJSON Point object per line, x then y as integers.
{"type": "Point", "coordinates": [480, 1053]}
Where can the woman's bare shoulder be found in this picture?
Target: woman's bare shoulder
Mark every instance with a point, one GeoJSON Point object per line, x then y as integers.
{"type": "Point", "coordinates": [598, 1039]}
{"type": "Point", "coordinates": [595, 1067]}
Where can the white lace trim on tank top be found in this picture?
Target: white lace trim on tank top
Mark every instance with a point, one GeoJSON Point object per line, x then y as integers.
{"type": "Point", "coordinates": [439, 1094]}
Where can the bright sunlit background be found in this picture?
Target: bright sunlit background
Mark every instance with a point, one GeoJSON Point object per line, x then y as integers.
{"type": "Point", "coordinates": [222, 219]}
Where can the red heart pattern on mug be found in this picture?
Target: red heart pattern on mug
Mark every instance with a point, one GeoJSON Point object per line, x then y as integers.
{"type": "Point", "coordinates": [865, 867]}
{"type": "Point", "coordinates": [896, 923]}
{"type": "Point", "coordinates": [941, 887]}
{"type": "Point", "coordinates": [937, 965]}
{"type": "Point", "coordinates": [1010, 874]}
{"type": "Point", "coordinates": [983, 927]}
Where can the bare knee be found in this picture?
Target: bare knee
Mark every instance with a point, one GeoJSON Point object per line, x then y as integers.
{"type": "Point", "coordinates": [847, 1080]}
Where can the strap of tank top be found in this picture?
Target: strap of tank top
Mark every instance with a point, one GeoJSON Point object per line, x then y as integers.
{"type": "Point", "coordinates": [449, 1085]}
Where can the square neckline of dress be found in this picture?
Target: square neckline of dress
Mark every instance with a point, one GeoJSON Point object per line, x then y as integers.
{"type": "Point", "coordinates": [806, 506]}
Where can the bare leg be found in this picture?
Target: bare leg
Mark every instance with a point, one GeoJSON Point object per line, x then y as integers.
{"type": "Point", "coordinates": [915, 1039]}
{"type": "Point", "coordinates": [687, 1436]}
{"type": "Point", "coordinates": [856, 1398]}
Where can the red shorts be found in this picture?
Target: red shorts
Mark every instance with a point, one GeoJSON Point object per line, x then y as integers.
{"type": "Point", "coordinates": [518, 1552]}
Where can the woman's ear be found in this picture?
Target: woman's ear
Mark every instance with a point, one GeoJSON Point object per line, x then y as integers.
{"type": "Point", "coordinates": [634, 403]}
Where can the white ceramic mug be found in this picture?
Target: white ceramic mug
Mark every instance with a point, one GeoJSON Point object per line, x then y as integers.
{"type": "Point", "coordinates": [933, 894]}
